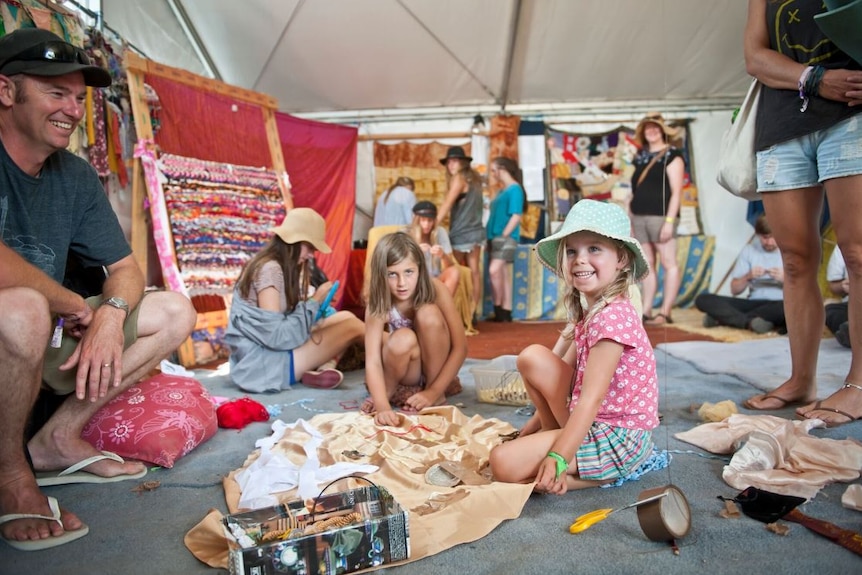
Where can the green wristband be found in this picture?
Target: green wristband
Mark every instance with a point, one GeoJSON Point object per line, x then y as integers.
{"type": "Point", "coordinates": [562, 465]}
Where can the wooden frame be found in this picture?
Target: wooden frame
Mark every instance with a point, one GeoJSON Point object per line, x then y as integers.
{"type": "Point", "coordinates": [136, 69]}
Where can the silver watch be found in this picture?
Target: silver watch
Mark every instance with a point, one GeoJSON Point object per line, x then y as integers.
{"type": "Point", "coordinates": [118, 303]}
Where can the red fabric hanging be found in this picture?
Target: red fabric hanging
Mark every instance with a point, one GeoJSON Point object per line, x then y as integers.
{"type": "Point", "coordinates": [203, 125]}
{"type": "Point", "coordinates": [321, 161]}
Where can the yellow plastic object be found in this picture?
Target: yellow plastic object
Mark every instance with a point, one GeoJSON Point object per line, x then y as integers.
{"type": "Point", "coordinates": [587, 520]}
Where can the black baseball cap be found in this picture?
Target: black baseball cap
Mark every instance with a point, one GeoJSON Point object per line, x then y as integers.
{"type": "Point", "coordinates": [38, 52]}
{"type": "Point", "coordinates": [425, 209]}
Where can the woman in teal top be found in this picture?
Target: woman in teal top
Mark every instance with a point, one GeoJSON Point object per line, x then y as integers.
{"type": "Point", "coordinates": [504, 231]}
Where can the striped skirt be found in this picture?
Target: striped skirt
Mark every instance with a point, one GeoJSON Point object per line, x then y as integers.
{"type": "Point", "coordinates": [610, 452]}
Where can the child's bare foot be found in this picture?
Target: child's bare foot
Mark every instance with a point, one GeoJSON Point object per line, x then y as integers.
{"type": "Point", "coordinates": [419, 401]}
{"type": "Point", "coordinates": [532, 426]}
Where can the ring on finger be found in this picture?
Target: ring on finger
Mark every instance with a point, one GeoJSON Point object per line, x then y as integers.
{"type": "Point", "coordinates": [106, 365]}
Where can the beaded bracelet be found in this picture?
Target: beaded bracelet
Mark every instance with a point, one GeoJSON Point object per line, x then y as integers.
{"type": "Point", "coordinates": [809, 84]}
{"type": "Point", "coordinates": [562, 465]}
{"type": "Point", "coordinates": [802, 79]}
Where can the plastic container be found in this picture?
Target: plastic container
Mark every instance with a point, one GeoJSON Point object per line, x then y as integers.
{"type": "Point", "coordinates": [500, 383]}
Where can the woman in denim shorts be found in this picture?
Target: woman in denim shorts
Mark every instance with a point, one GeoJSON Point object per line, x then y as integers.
{"type": "Point", "coordinates": [809, 146]}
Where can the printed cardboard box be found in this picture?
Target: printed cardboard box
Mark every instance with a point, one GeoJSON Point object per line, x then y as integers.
{"type": "Point", "coordinates": [361, 528]}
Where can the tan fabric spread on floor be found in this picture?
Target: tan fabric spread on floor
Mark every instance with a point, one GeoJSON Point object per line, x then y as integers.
{"type": "Point", "coordinates": [777, 454]}
{"type": "Point", "coordinates": [436, 522]}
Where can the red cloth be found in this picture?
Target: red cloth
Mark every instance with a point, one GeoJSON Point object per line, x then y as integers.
{"type": "Point", "coordinates": [320, 159]}
{"type": "Point", "coordinates": [238, 413]}
{"type": "Point", "coordinates": [203, 125]}
{"type": "Point", "coordinates": [353, 287]}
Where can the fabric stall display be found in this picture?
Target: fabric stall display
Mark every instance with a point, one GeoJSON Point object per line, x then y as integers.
{"type": "Point", "coordinates": [220, 216]}
{"type": "Point", "coordinates": [421, 162]}
{"type": "Point", "coordinates": [694, 255]}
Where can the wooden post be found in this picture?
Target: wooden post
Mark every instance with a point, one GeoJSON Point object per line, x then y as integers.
{"type": "Point", "coordinates": [135, 67]}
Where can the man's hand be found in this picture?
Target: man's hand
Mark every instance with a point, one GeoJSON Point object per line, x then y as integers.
{"type": "Point", "coordinates": [99, 353]}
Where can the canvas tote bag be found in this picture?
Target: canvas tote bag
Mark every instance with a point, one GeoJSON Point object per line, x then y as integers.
{"type": "Point", "coordinates": [737, 164]}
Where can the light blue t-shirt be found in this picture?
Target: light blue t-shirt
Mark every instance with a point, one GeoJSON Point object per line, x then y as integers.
{"type": "Point", "coordinates": [397, 209]}
{"type": "Point", "coordinates": [752, 256]}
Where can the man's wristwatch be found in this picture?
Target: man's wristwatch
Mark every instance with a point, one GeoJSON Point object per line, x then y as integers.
{"type": "Point", "coordinates": [118, 303]}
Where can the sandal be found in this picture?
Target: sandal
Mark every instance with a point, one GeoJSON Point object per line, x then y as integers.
{"type": "Point", "coordinates": [818, 406]}
{"type": "Point", "coordinates": [659, 319]}
{"type": "Point", "coordinates": [323, 379]}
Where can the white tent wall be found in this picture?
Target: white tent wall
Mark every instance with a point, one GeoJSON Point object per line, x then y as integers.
{"type": "Point", "coordinates": [722, 214]}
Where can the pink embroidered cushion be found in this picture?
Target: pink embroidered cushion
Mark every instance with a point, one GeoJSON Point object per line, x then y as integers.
{"type": "Point", "coordinates": [157, 420]}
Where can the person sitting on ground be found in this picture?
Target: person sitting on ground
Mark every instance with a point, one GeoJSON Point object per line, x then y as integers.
{"type": "Point", "coordinates": [55, 208]}
{"type": "Point", "coordinates": [839, 284]}
{"type": "Point", "coordinates": [415, 364]}
{"type": "Point", "coordinates": [275, 334]}
{"type": "Point", "coordinates": [435, 244]}
{"type": "Point", "coordinates": [759, 270]}
{"type": "Point", "coordinates": [395, 204]}
{"type": "Point", "coordinates": [596, 392]}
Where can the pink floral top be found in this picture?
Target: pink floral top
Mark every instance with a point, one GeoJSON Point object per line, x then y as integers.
{"type": "Point", "coordinates": [632, 398]}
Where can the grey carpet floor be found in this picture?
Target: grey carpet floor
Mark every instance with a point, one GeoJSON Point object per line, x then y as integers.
{"type": "Point", "coordinates": [142, 533]}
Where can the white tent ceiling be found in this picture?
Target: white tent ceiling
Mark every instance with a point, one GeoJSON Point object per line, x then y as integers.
{"type": "Point", "coordinates": [349, 59]}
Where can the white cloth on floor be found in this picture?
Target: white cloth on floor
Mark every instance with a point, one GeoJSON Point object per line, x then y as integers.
{"type": "Point", "coordinates": [852, 498]}
{"type": "Point", "coordinates": [777, 454]}
{"type": "Point", "coordinates": [272, 472]}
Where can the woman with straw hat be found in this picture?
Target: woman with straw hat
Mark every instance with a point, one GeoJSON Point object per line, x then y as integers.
{"type": "Point", "coordinates": [656, 195]}
{"type": "Point", "coordinates": [276, 335]}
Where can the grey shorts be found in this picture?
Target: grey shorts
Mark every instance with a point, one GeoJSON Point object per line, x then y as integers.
{"type": "Point", "coordinates": [63, 382]}
{"type": "Point", "coordinates": [501, 248]}
{"type": "Point", "coordinates": [647, 229]}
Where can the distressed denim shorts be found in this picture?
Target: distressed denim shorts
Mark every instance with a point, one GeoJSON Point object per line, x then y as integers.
{"type": "Point", "coordinates": [809, 160]}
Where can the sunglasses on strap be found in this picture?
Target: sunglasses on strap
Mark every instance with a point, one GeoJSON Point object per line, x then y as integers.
{"type": "Point", "coordinates": [51, 52]}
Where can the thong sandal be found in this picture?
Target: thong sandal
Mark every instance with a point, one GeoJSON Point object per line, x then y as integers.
{"type": "Point", "coordinates": [659, 319]}
{"type": "Point", "coordinates": [53, 541]}
{"type": "Point", "coordinates": [830, 424]}
{"type": "Point", "coordinates": [784, 403]}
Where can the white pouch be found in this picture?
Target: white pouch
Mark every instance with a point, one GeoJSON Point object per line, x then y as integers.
{"type": "Point", "coordinates": [737, 164]}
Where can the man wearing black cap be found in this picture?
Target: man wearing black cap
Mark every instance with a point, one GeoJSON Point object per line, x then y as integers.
{"type": "Point", "coordinates": [52, 204]}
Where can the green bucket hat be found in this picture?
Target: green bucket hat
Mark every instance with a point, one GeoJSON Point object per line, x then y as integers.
{"type": "Point", "coordinates": [603, 218]}
{"type": "Point", "coordinates": [841, 24]}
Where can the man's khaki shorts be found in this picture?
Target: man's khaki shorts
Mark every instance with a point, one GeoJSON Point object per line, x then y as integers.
{"type": "Point", "coordinates": [63, 382]}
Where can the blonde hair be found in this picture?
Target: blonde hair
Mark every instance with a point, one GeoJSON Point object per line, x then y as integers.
{"type": "Point", "coordinates": [392, 249]}
{"type": "Point", "coordinates": [415, 230]}
{"type": "Point", "coordinates": [572, 299]}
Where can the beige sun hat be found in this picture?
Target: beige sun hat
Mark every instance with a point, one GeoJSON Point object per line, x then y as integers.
{"type": "Point", "coordinates": [303, 225]}
{"type": "Point", "coordinates": [657, 119]}
{"type": "Point", "coordinates": [603, 218]}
